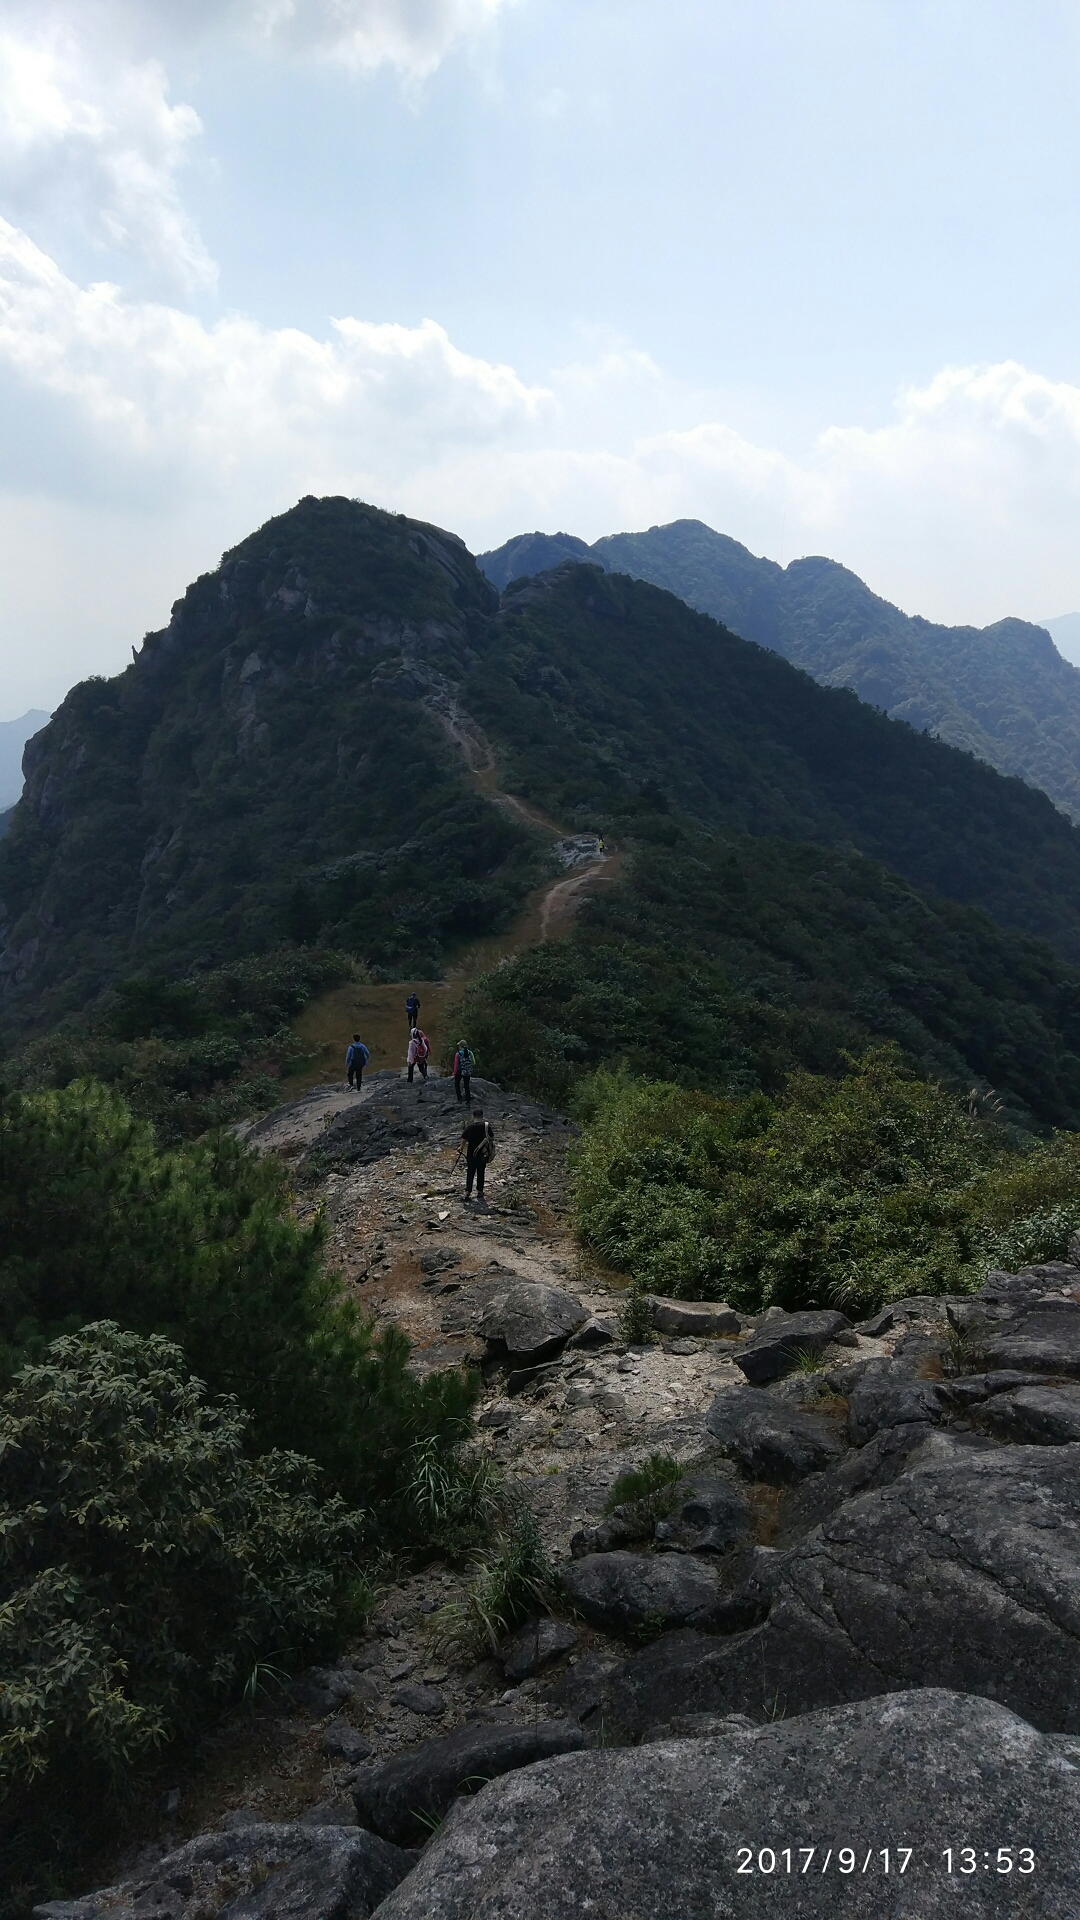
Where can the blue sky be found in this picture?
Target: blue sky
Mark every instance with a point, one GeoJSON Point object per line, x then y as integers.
{"type": "Point", "coordinates": [805, 270]}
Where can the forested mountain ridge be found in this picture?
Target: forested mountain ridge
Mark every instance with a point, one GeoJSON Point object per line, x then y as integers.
{"type": "Point", "coordinates": [1002, 692]}
{"type": "Point", "coordinates": [602, 685]}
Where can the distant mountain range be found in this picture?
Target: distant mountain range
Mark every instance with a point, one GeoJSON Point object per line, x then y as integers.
{"type": "Point", "coordinates": [1003, 693]}
{"type": "Point", "coordinates": [1065, 634]}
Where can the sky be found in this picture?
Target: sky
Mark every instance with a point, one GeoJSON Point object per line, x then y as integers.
{"type": "Point", "coordinates": [807, 270]}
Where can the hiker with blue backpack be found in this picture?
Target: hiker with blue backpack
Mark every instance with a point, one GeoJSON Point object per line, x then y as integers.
{"type": "Point", "coordinates": [355, 1061]}
{"type": "Point", "coordinates": [412, 1010]}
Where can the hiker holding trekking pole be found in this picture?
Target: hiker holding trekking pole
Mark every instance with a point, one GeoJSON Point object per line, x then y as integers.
{"type": "Point", "coordinates": [478, 1139]}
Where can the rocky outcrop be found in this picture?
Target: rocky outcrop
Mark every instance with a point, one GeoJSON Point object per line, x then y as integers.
{"type": "Point", "coordinates": [1046, 1340]}
{"type": "Point", "coordinates": [781, 1342]}
{"type": "Point", "coordinates": [772, 1441]}
{"type": "Point", "coordinates": [884, 1397]}
{"type": "Point", "coordinates": [290, 1871]}
{"type": "Point", "coordinates": [847, 1812]}
{"type": "Point", "coordinates": [1038, 1415]}
{"type": "Point", "coordinates": [527, 1322]}
{"type": "Point", "coordinates": [964, 1573]}
{"type": "Point", "coordinates": [401, 1798]}
{"type": "Point", "coordinates": [710, 1516]}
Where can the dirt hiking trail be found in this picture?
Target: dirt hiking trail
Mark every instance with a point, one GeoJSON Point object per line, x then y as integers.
{"type": "Point", "coordinates": [376, 1009]}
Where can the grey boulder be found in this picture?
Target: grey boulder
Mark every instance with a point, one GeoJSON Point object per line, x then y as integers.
{"type": "Point", "coordinates": [693, 1316]}
{"type": "Point", "coordinates": [1040, 1416]}
{"type": "Point", "coordinates": [964, 1573]}
{"type": "Point", "coordinates": [696, 1829]}
{"type": "Point", "coordinates": [536, 1645]}
{"type": "Point", "coordinates": [342, 1742]}
{"type": "Point", "coordinates": [626, 1591]}
{"type": "Point", "coordinates": [598, 1331]}
{"type": "Point", "coordinates": [529, 1322]}
{"type": "Point", "coordinates": [771, 1440]}
{"type": "Point", "coordinates": [264, 1871]}
{"type": "Point", "coordinates": [417, 1698]}
{"type": "Point", "coordinates": [782, 1340]}
{"type": "Point", "coordinates": [402, 1797]}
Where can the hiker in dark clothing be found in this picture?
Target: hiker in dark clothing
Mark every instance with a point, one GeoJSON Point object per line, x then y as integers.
{"type": "Point", "coordinates": [463, 1066]}
{"type": "Point", "coordinates": [478, 1137]}
{"type": "Point", "coordinates": [412, 1010]}
{"type": "Point", "coordinates": [355, 1061]}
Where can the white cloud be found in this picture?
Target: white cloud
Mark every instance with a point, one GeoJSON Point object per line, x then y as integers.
{"type": "Point", "coordinates": [170, 439]}
{"type": "Point", "coordinates": [152, 397]}
{"type": "Point", "coordinates": [87, 127]}
{"type": "Point", "coordinates": [414, 36]}
{"type": "Point", "coordinates": [962, 508]}
{"type": "Point", "coordinates": [96, 134]}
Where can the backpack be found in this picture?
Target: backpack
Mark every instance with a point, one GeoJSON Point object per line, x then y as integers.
{"type": "Point", "coordinates": [465, 1062]}
{"type": "Point", "coordinates": [357, 1052]}
{"type": "Point", "coordinates": [423, 1047]}
{"type": "Point", "coordinates": [486, 1149]}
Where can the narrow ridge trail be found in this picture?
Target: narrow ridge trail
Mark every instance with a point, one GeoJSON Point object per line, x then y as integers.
{"type": "Point", "coordinates": [376, 1010]}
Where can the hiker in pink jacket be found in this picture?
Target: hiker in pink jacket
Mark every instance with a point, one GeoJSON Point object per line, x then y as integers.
{"type": "Point", "coordinates": [417, 1056]}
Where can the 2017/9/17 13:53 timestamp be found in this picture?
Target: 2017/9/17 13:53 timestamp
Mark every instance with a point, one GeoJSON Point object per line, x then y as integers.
{"type": "Point", "coordinates": [888, 1860]}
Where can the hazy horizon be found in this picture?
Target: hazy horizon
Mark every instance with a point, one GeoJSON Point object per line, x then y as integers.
{"type": "Point", "coordinates": [800, 271]}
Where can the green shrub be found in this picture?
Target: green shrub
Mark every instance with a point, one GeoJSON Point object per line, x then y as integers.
{"type": "Point", "coordinates": [843, 1192]}
{"type": "Point", "coordinates": [513, 1579]}
{"type": "Point", "coordinates": [635, 1316]}
{"type": "Point", "coordinates": [148, 1564]}
{"type": "Point", "coordinates": [200, 1244]}
{"type": "Point", "coordinates": [455, 1496]}
{"type": "Point", "coordinates": [190, 1055]}
{"type": "Point", "coordinates": [650, 1486]}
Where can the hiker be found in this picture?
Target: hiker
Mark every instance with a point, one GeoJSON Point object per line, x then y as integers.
{"type": "Point", "coordinates": [412, 1010]}
{"type": "Point", "coordinates": [355, 1061]}
{"type": "Point", "coordinates": [601, 844]}
{"type": "Point", "coordinates": [463, 1066]}
{"type": "Point", "coordinates": [417, 1056]}
{"type": "Point", "coordinates": [478, 1139]}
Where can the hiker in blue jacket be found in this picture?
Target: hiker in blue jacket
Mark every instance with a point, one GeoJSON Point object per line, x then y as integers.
{"type": "Point", "coordinates": [412, 1010]}
{"type": "Point", "coordinates": [355, 1061]}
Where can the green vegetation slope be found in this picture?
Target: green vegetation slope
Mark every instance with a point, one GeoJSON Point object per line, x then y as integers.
{"type": "Point", "coordinates": [264, 770]}
{"type": "Point", "coordinates": [600, 689]}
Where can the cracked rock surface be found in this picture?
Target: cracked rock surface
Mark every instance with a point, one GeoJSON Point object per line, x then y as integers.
{"type": "Point", "coordinates": [664, 1829]}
